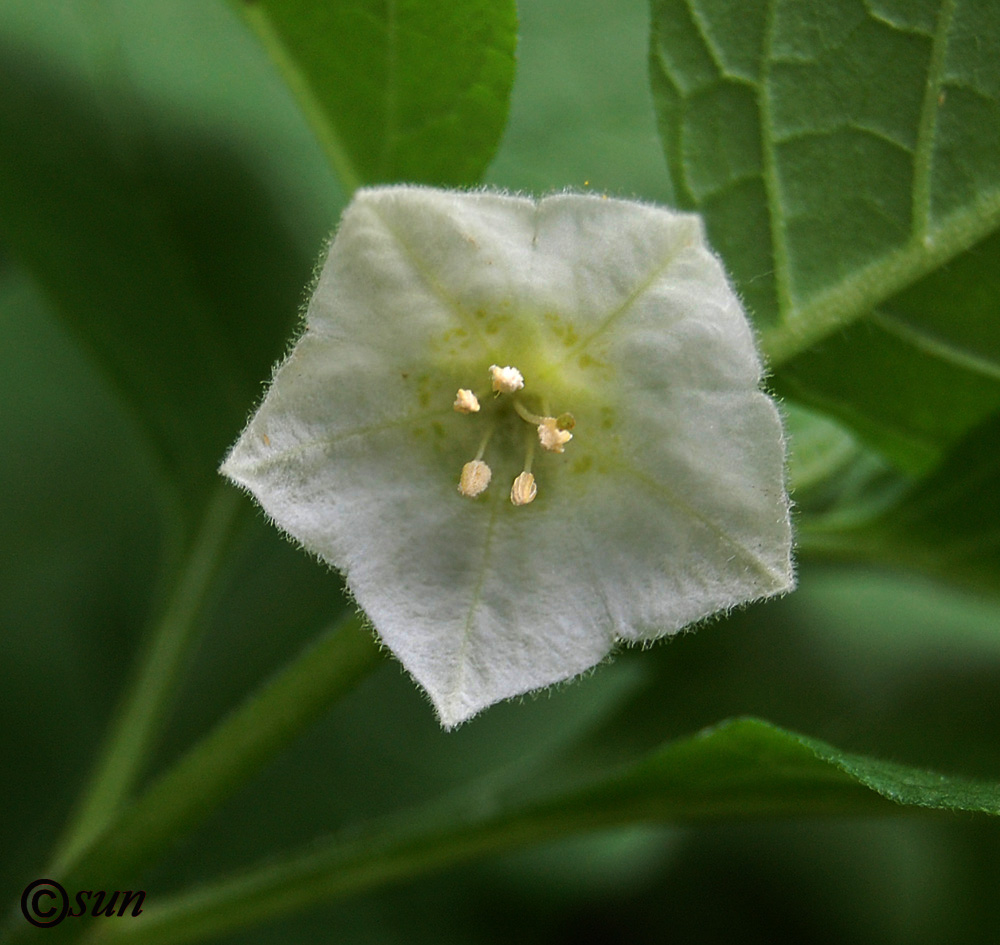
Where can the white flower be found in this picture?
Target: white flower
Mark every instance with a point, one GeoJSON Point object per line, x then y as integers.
{"type": "Point", "coordinates": [667, 506]}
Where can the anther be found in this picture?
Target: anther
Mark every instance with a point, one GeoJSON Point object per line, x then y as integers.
{"type": "Point", "coordinates": [524, 489]}
{"type": "Point", "coordinates": [475, 478]}
{"type": "Point", "coordinates": [553, 437]}
{"type": "Point", "coordinates": [466, 401]}
{"type": "Point", "coordinates": [506, 380]}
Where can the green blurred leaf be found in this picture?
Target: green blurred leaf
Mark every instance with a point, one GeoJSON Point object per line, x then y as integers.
{"type": "Point", "coordinates": [841, 152]}
{"type": "Point", "coordinates": [818, 448]}
{"type": "Point", "coordinates": [80, 538]}
{"type": "Point", "coordinates": [397, 90]}
{"type": "Point", "coordinates": [743, 767]}
{"type": "Point", "coordinates": [947, 525]}
{"type": "Point", "coordinates": [581, 114]}
{"type": "Point", "coordinates": [159, 185]}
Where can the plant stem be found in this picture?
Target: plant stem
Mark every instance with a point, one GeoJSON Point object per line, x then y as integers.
{"type": "Point", "coordinates": [140, 717]}
{"type": "Point", "coordinates": [237, 748]}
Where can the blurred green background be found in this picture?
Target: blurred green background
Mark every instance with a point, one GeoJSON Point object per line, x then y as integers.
{"type": "Point", "coordinates": [873, 662]}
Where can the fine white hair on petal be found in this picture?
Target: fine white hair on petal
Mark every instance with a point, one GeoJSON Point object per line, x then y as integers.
{"type": "Point", "coordinates": [665, 506]}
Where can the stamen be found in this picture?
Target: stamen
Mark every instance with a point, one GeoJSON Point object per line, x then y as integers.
{"type": "Point", "coordinates": [525, 414]}
{"type": "Point", "coordinates": [553, 433]}
{"type": "Point", "coordinates": [476, 476]}
{"type": "Point", "coordinates": [506, 380]}
{"type": "Point", "coordinates": [524, 489]}
{"type": "Point", "coordinates": [484, 442]}
{"type": "Point", "coordinates": [529, 455]}
{"type": "Point", "coordinates": [466, 401]}
{"type": "Point", "coordinates": [551, 436]}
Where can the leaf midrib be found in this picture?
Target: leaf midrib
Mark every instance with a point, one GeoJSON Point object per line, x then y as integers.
{"type": "Point", "coordinates": [923, 157]}
{"type": "Point", "coordinates": [327, 133]}
{"type": "Point", "coordinates": [769, 173]}
{"type": "Point", "coordinates": [929, 247]}
{"type": "Point", "coordinates": [857, 295]}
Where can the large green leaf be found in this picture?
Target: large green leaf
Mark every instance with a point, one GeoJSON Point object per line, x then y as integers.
{"type": "Point", "coordinates": [160, 187]}
{"type": "Point", "coordinates": [80, 542]}
{"type": "Point", "coordinates": [398, 90]}
{"type": "Point", "coordinates": [841, 152]}
{"type": "Point", "coordinates": [739, 768]}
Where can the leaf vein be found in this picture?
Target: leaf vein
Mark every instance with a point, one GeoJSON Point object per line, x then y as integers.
{"type": "Point", "coordinates": [772, 187]}
{"type": "Point", "coordinates": [927, 127]}
{"type": "Point", "coordinates": [856, 295]}
{"type": "Point", "coordinates": [935, 346]}
{"type": "Point", "coordinates": [710, 48]}
{"type": "Point", "coordinates": [805, 134]}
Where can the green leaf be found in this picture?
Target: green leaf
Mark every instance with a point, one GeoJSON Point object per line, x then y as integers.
{"type": "Point", "coordinates": [80, 552]}
{"type": "Point", "coordinates": [818, 449]}
{"type": "Point", "coordinates": [743, 767]}
{"type": "Point", "coordinates": [945, 525]}
{"type": "Point", "coordinates": [158, 184]}
{"type": "Point", "coordinates": [581, 114]}
{"type": "Point", "coordinates": [842, 152]}
{"type": "Point", "coordinates": [922, 371]}
{"type": "Point", "coordinates": [397, 90]}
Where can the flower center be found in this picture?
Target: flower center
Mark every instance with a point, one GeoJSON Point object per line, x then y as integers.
{"type": "Point", "coordinates": [552, 433]}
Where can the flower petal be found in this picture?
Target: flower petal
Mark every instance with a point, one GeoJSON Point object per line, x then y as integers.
{"type": "Point", "coordinates": [667, 506]}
